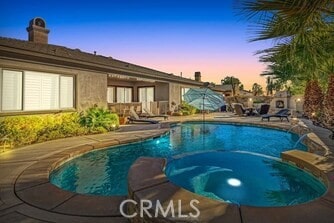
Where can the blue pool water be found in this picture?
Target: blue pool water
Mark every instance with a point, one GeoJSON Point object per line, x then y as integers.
{"type": "Point", "coordinates": [244, 178]}
{"type": "Point", "coordinates": [104, 172]}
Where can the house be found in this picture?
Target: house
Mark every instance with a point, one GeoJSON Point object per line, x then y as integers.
{"type": "Point", "coordinates": [246, 93]}
{"type": "Point", "coordinates": [38, 77]}
{"type": "Point", "coordinates": [284, 99]}
{"type": "Point", "coordinates": [227, 89]}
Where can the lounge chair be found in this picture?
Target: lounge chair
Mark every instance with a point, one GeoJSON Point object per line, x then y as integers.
{"type": "Point", "coordinates": [149, 114]}
{"type": "Point", "coordinates": [264, 109]}
{"type": "Point", "coordinates": [281, 114]}
{"type": "Point", "coordinates": [240, 110]}
{"type": "Point", "coordinates": [135, 118]}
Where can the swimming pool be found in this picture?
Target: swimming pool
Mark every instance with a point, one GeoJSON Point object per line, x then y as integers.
{"type": "Point", "coordinates": [104, 172]}
{"type": "Point", "coordinates": [244, 178]}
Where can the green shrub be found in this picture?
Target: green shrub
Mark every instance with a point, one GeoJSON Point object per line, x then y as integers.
{"type": "Point", "coordinates": [179, 113]}
{"type": "Point", "coordinates": [99, 120]}
{"type": "Point", "coordinates": [60, 126]}
{"type": "Point", "coordinates": [185, 112]}
{"type": "Point", "coordinates": [188, 109]}
{"type": "Point", "coordinates": [28, 129]}
{"type": "Point", "coordinates": [21, 130]}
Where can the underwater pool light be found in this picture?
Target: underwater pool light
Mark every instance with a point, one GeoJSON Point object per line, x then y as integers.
{"type": "Point", "coordinates": [234, 182]}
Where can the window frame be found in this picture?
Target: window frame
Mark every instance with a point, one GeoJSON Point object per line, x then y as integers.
{"type": "Point", "coordinates": [22, 110]}
{"type": "Point", "coordinates": [2, 90]}
{"type": "Point", "coordinates": [73, 91]}
{"type": "Point", "coordinates": [145, 87]}
{"type": "Point", "coordinates": [42, 77]}
{"type": "Point", "coordinates": [116, 95]}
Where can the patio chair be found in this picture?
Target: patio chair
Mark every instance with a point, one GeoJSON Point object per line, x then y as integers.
{"type": "Point", "coordinates": [149, 114]}
{"type": "Point", "coordinates": [281, 114]}
{"type": "Point", "coordinates": [240, 110]}
{"type": "Point", "coordinates": [135, 118]}
{"type": "Point", "coordinates": [230, 107]}
{"type": "Point", "coordinates": [264, 109]}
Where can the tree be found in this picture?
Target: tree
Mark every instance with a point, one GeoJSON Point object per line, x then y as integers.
{"type": "Point", "coordinates": [233, 81]}
{"type": "Point", "coordinates": [304, 42]}
{"type": "Point", "coordinates": [313, 98]}
{"type": "Point", "coordinates": [270, 86]}
{"type": "Point", "coordinates": [296, 26]}
{"type": "Point", "coordinates": [257, 89]}
{"type": "Point", "coordinates": [241, 87]}
{"type": "Point", "coordinates": [329, 102]}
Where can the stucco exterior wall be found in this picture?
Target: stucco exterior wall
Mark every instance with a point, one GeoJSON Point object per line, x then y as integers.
{"type": "Point", "coordinates": [296, 105]}
{"type": "Point", "coordinates": [91, 89]}
{"type": "Point", "coordinates": [174, 93]}
{"type": "Point", "coordinates": [162, 91]}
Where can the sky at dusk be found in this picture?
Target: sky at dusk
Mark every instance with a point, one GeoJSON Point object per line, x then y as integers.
{"type": "Point", "coordinates": [171, 36]}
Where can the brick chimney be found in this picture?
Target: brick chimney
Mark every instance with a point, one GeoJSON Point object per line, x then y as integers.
{"type": "Point", "coordinates": [37, 32]}
{"type": "Point", "coordinates": [198, 76]}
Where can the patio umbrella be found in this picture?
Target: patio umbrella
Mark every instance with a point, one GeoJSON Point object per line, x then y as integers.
{"type": "Point", "coordinates": [204, 99]}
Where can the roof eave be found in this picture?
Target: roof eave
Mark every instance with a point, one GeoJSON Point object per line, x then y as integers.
{"type": "Point", "coordinates": [24, 55]}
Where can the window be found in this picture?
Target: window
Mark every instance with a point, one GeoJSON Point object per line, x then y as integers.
{"type": "Point", "coordinates": [11, 90]}
{"type": "Point", "coordinates": [146, 96]}
{"type": "Point", "coordinates": [66, 92]}
{"type": "Point", "coordinates": [111, 95]}
{"type": "Point", "coordinates": [124, 94]}
{"type": "Point", "coordinates": [34, 91]}
{"type": "Point", "coordinates": [183, 91]}
{"type": "Point", "coordinates": [41, 91]}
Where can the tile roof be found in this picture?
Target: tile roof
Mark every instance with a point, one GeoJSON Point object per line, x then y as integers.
{"type": "Point", "coordinates": [76, 55]}
{"type": "Point", "coordinates": [225, 87]}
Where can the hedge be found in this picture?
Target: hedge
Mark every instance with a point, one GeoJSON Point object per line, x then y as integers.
{"type": "Point", "coordinates": [29, 129]}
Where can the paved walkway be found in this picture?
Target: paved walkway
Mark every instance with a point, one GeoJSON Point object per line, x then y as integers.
{"type": "Point", "coordinates": [15, 165]}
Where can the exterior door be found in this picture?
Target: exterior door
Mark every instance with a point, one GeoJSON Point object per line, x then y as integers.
{"type": "Point", "coordinates": [146, 96]}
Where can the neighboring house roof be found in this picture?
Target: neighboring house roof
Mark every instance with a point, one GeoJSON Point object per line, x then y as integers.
{"type": "Point", "coordinates": [244, 92]}
{"type": "Point", "coordinates": [225, 87]}
{"type": "Point", "coordinates": [59, 55]}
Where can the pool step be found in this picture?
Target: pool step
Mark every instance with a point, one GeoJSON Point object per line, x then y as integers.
{"type": "Point", "coordinates": [316, 164]}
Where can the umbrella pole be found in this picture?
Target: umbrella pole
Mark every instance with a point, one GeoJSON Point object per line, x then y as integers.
{"type": "Point", "coordinates": [203, 121]}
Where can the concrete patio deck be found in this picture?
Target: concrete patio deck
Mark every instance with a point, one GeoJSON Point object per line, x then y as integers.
{"type": "Point", "coordinates": [27, 196]}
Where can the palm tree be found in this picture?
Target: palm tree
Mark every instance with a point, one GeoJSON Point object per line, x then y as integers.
{"type": "Point", "coordinates": [257, 89]}
{"type": "Point", "coordinates": [284, 70]}
{"type": "Point", "coordinates": [303, 32]}
{"type": "Point", "coordinates": [313, 98]}
{"type": "Point", "coordinates": [296, 27]}
{"type": "Point", "coordinates": [270, 86]}
{"type": "Point", "coordinates": [329, 103]}
{"type": "Point", "coordinates": [233, 81]}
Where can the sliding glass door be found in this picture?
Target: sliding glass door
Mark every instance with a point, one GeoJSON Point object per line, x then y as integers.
{"type": "Point", "coordinates": [146, 96]}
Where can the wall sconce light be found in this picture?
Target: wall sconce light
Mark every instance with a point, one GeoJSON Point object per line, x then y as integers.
{"type": "Point", "coordinates": [298, 100]}
{"type": "Point", "coordinates": [250, 99]}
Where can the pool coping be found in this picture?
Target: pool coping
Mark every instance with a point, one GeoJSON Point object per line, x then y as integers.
{"type": "Point", "coordinates": [154, 181]}
{"type": "Point", "coordinates": [33, 187]}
